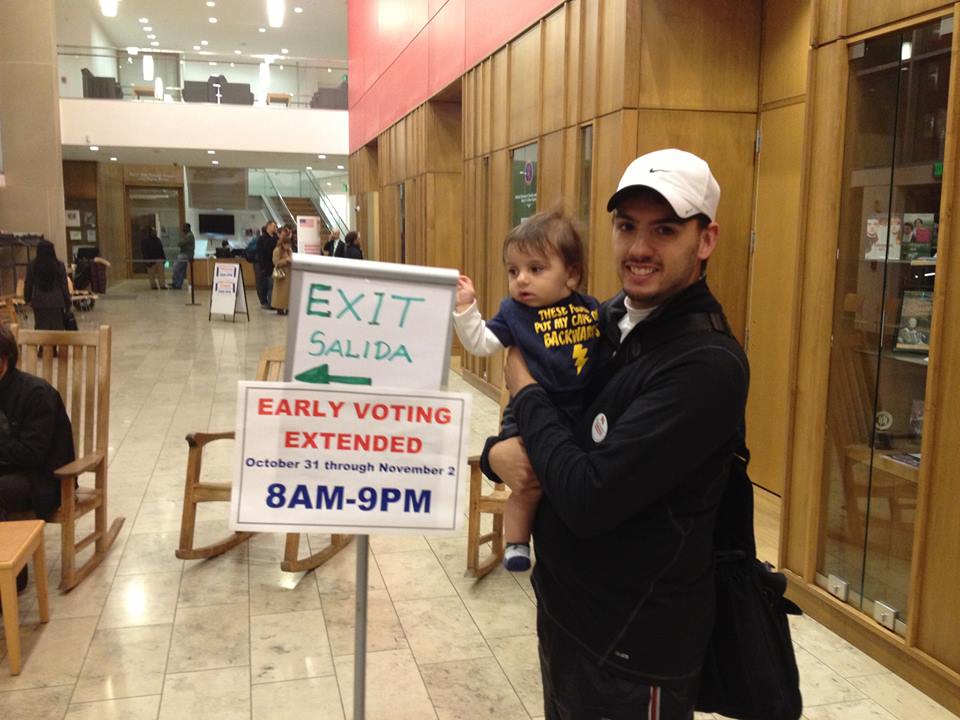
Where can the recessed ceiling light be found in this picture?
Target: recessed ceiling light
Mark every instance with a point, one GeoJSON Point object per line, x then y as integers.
{"type": "Point", "coordinates": [298, 9]}
{"type": "Point", "coordinates": [196, 47]}
{"type": "Point", "coordinates": [238, 52]}
{"type": "Point", "coordinates": [212, 63]}
{"type": "Point", "coordinates": [309, 167]}
{"type": "Point", "coordinates": [329, 183]}
{"type": "Point", "coordinates": [339, 167]}
{"type": "Point", "coordinates": [147, 28]}
{"type": "Point", "coordinates": [329, 69]}
{"type": "Point", "coordinates": [144, 21]}
{"type": "Point", "coordinates": [322, 157]}
{"type": "Point", "coordinates": [132, 50]}
{"type": "Point", "coordinates": [94, 148]}
{"type": "Point", "coordinates": [233, 64]}
{"type": "Point", "coordinates": [211, 152]}
{"type": "Point", "coordinates": [214, 162]}
{"type": "Point", "coordinates": [281, 67]}
{"type": "Point", "coordinates": [151, 36]}
{"type": "Point", "coordinates": [213, 20]}
{"type": "Point", "coordinates": [211, 3]}
{"type": "Point", "coordinates": [113, 159]}
{"type": "Point", "coordinates": [204, 43]}
{"type": "Point", "coordinates": [284, 50]}
{"type": "Point", "coordinates": [154, 44]}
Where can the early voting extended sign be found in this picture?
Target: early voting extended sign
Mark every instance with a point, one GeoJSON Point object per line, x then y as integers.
{"type": "Point", "coordinates": [359, 323]}
{"type": "Point", "coordinates": [325, 459]}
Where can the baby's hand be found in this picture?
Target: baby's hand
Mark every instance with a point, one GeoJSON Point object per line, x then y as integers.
{"type": "Point", "coordinates": [466, 294]}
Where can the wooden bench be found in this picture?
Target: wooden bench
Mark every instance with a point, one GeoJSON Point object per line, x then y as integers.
{"type": "Point", "coordinates": [195, 491]}
{"type": "Point", "coordinates": [19, 539]}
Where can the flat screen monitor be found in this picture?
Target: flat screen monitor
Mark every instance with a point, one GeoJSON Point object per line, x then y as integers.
{"type": "Point", "coordinates": [216, 224]}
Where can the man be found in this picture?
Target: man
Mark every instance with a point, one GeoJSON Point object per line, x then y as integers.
{"type": "Point", "coordinates": [266, 242]}
{"type": "Point", "coordinates": [624, 533]}
{"type": "Point", "coordinates": [152, 249]}
{"type": "Point", "coordinates": [334, 246]}
{"type": "Point", "coordinates": [186, 247]}
{"type": "Point", "coordinates": [35, 438]}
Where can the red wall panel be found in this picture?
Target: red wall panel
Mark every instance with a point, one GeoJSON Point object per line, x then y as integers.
{"type": "Point", "coordinates": [403, 51]}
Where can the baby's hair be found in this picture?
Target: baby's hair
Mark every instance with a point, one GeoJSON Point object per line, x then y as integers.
{"type": "Point", "coordinates": [550, 231]}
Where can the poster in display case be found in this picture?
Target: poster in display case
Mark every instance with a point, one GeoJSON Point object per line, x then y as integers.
{"type": "Point", "coordinates": [913, 334]}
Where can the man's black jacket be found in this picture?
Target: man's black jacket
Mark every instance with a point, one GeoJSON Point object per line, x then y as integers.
{"type": "Point", "coordinates": [35, 435]}
{"type": "Point", "coordinates": [624, 533]}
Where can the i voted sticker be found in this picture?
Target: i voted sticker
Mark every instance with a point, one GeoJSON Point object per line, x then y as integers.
{"type": "Point", "coordinates": [598, 429]}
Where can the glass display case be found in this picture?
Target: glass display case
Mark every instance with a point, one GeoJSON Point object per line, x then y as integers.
{"type": "Point", "coordinates": [896, 119]}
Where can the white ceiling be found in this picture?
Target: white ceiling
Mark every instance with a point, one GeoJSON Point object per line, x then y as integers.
{"type": "Point", "coordinates": [318, 34]}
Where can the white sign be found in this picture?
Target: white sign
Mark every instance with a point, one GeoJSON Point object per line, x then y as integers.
{"type": "Point", "coordinates": [356, 322]}
{"type": "Point", "coordinates": [313, 459]}
{"type": "Point", "coordinates": [308, 234]}
{"type": "Point", "coordinates": [228, 296]}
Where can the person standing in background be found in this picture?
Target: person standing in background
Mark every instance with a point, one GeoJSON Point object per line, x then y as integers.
{"type": "Point", "coordinates": [334, 246]}
{"type": "Point", "coordinates": [45, 288]}
{"type": "Point", "coordinates": [282, 257]}
{"type": "Point", "coordinates": [153, 257]}
{"type": "Point", "coordinates": [187, 247]}
{"type": "Point", "coordinates": [352, 248]}
{"type": "Point", "coordinates": [266, 244]}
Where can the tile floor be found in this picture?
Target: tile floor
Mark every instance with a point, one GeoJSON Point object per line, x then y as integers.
{"type": "Point", "coordinates": [151, 636]}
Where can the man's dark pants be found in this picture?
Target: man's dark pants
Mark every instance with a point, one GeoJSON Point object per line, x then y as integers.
{"type": "Point", "coordinates": [574, 688]}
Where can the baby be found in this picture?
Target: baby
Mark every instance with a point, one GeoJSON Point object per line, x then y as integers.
{"type": "Point", "coordinates": [554, 327]}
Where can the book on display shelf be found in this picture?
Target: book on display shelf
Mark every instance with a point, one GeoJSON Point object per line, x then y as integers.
{"type": "Point", "coordinates": [883, 237]}
{"type": "Point", "coordinates": [913, 334]}
{"type": "Point", "coordinates": [909, 459]}
{"type": "Point", "coordinates": [917, 236]}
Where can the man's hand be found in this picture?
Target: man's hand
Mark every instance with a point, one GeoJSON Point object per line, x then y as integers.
{"type": "Point", "coordinates": [515, 372]}
{"type": "Point", "coordinates": [466, 294]}
{"type": "Point", "coordinates": [508, 459]}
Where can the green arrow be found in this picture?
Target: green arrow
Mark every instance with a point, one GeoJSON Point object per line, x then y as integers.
{"type": "Point", "coordinates": [320, 375]}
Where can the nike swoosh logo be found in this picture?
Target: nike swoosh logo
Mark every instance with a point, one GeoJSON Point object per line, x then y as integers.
{"type": "Point", "coordinates": [661, 170]}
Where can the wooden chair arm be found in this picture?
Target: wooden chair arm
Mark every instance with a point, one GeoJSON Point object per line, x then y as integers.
{"type": "Point", "coordinates": [80, 465]}
{"type": "Point", "coordinates": [199, 439]}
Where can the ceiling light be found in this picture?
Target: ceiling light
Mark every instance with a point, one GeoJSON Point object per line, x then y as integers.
{"type": "Point", "coordinates": [261, 29]}
{"type": "Point", "coordinates": [298, 10]}
{"type": "Point", "coordinates": [94, 148]}
{"type": "Point", "coordinates": [148, 68]}
{"type": "Point", "coordinates": [211, 3]}
{"type": "Point", "coordinates": [339, 167]}
{"type": "Point", "coordinates": [329, 184]}
{"type": "Point", "coordinates": [284, 50]}
{"type": "Point", "coordinates": [133, 50]}
{"type": "Point", "coordinates": [113, 159]}
{"type": "Point", "coordinates": [329, 69]}
{"type": "Point", "coordinates": [144, 21]}
{"type": "Point", "coordinates": [151, 36]}
{"type": "Point", "coordinates": [309, 168]}
{"type": "Point", "coordinates": [211, 152]}
{"type": "Point", "coordinates": [154, 44]}
{"type": "Point", "coordinates": [214, 162]}
{"type": "Point", "coordinates": [109, 7]}
{"type": "Point", "coordinates": [147, 28]}
{"type": "Point", "coordinates": [204, 43]}
{"type": "Point", "coordinates": [281, 67]}
{"type": "Point", "coordinates": [212, 63]}
{"type": "Point", "coordinates": [233, 65]}
{"type": "Point", "coordinates": [238, 52]}
{"type": "Point", "coordinates": [213, 20]}
{"type": "Point", "coordinates": [322, 157]}
{"type": "Point", "coordinates": [275, 12]}
{"type": "Point", "coordinates": [196, 47]}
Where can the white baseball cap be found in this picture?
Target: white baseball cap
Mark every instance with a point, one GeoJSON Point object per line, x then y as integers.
{"type": "Point", "coordinates": [684, 180]}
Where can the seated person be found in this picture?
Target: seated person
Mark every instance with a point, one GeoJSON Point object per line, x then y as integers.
{"type": "Point", "coordinates": [224, 250]}
{"type": "Point", "coordinates": [35, 438]}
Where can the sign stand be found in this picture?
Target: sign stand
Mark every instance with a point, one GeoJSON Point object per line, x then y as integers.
{"type": "Point", "coordinates": [228, 295]}
{"type": "Point", "coordinates": [360, 635]}
{"type": "Point", "coordinates": [193, 300]}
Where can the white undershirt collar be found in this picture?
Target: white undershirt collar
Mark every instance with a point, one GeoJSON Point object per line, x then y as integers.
{"type": "Point", "coordinates": [632, 318]}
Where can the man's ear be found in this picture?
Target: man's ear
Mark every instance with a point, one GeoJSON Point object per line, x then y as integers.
{"type": "Point", "coordinates": [708, 241]}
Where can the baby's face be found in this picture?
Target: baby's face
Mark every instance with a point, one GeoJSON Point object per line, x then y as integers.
{"type": "Point", "coordinates": [537, 280]}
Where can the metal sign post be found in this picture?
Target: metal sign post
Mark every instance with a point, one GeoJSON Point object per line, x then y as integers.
{"type": "Point", "coordinates": [360, 634]}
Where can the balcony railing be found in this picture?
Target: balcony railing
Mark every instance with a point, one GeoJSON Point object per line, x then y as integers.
{"type": "Point", "coordinates": [110, 73]}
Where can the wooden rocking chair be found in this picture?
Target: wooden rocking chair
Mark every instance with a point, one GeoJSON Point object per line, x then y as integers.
{"type": "Point", "coordinates": [270, 368]}
{"type": "Point", "coordinates": [77, 364]}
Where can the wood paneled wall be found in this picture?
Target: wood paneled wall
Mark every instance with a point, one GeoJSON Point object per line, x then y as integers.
{"type": "Point", "coordinates": [835, 19]}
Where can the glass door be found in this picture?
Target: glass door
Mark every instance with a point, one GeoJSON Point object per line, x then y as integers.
{"type": "Point", "coordinates": [886, 269]}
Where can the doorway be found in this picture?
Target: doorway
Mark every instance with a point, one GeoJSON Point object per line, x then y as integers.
{"type": "Point", "coordinates": [160, 208]}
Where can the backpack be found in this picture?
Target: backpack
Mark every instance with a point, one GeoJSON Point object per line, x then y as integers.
{"type": "Point", "coordinates": [251, 250]}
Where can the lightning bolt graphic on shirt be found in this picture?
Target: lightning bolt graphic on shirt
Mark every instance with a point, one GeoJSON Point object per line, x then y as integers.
{"type": "Point", "coordinates": [579, 356]}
